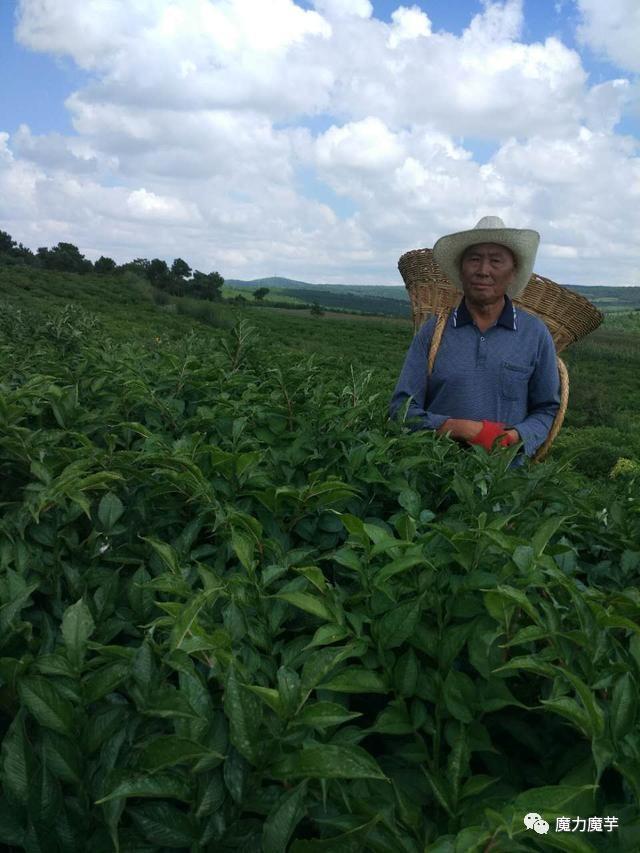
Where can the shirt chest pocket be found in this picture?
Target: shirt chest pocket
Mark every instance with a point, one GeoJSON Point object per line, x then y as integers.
{"type": "Point", "coordinates": [514, 380]}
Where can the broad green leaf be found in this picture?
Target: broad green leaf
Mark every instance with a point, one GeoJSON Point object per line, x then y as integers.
{"type": "Point", "coordinates": [167, 704]}
{"type": "Point", "coordinates": [527, 663]}
{"type": "Point", "coordinates": [55, 664]}
{"type": "Point", "coordinates": [528, 634]}
{"type": "Point", "coordinates": [16, 750]}
{"type": "Point", "coordinates": [212, 797]}
{"type": "Point", "coordinates": [244, 713]}
{"type": "Point", "coordinates": [402, 564]}
{"type": "Point", "coordinates": [187, 620]}
{"type": "Point", "coordinates": [169, 750]}
{"type": "Point", "coordinates": [394, 719]}
{"type": "Point", "coordinates": [289, 690]}
{"type": "Point", "coordinates": [377, 535]}
{"type": "Point", "coordinates": [593, 709]}
{"type": "Point", "coordinates": [314, 575]}
{"type": "Point", "coordinates": [159, 785]}
{"type": "Point", "coordinates": [104, 680]}
{"type": "Point", "coordinates": [405, 674]}
{"type": "Point", "coordinates": [440, 788]}
{"type": "Point", "coordinates": [164, 825]}
{"type": "Point", "coordinates": [321, 715]}
{"type": "Point", "coordinates": [410, 500]}
{"type": "Point", "coordinates": [77, 627]}
{"type": "Point", "coordinates": [550, 798]}
{"type": "Point", "coordinates": [451, 643]}
{"type": "Point", "coordinates": [397, 625]}
{"type": "Point", "coordinates": [243, 546]}
{"type": "Point", "coordinates": [10, 611]}
{"type": "Point", "coordinates": [46, 704]}
{"type": "Point", "coordinates": [166, 553]}
{"type": "Point", "coordinates": [348, 558]}
{"type": "Point", "coordinates": [570, 710]}
{"type": "Point", "coordinates": [623, 706]}
{"type": "Point", "coordinates": [269, 696]}
{"type": "Point", "coordinates": [309, 603]}
{"type": "Point", "coordinates": [458, 761]}
{"type": "Point", "coordinates": [354, 526]}
{"type": "Point", "coordinates": [631, 771]}
{"type": "Point", "coordinates": [327, 634]}
{"type": "Point", "coordinates": [328, 762]}
{"type": "Point", "coordinates": [544, 533]}
{"type": "Point", "coordinates": [283, 819]}
{"type": "Point", "coordinates": [459, 695]}
{"type": "Point", "coordinates": [356, 680]}
{"type": "Point", "coordinates": [476, 785]}
{"type": "Point", "coordinates": [499, 607]}
{"type": "Point", "coordinates": [63, 757]}
{"type": "Point", "coordinates": [520, 599]}
{"type": "Point", "coordinates": [110, 510]}
{"type": "Point", "coordinates": [235, 772]}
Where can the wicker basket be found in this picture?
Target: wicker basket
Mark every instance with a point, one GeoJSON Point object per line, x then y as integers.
{"type": "Point", "coordinates": [568, 315]}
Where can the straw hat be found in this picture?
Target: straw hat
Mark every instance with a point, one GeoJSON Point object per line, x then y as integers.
{"type": "Point", "coordinates": [522, 242]}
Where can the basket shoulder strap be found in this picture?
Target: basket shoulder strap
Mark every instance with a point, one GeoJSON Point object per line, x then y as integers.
{"type": "Point", "coordinates": [562, 410]}
{"type": "Point", "coordinates": [441, 322]}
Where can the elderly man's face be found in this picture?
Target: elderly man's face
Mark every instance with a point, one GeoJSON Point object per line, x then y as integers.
{"type": "Point", "coordinates": [486, 270]}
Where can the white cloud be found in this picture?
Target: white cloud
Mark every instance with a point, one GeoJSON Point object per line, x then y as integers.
{"type": "Point", "coordinates": [408, 23]}
{"type": "Point", "coordinates": [344, 8]}
{"type": "Point", "coordinates": [194, 137]}
{"type": "Point", "coordinates": [612, 29]}
{"type": "Point", "coordinates": [364, 146]}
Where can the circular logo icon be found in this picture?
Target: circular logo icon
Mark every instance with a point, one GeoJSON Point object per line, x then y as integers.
{"type": "Point", "coordinates": [530, 819]}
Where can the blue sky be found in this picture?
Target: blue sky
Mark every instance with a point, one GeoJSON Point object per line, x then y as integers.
{"type": "Point", "coordinates": [318, 138]}
{"type": "Point", "coordinates": [35, 85]}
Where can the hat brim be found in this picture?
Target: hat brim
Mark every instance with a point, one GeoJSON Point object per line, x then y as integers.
{"type": "Point", "coordinates": [523, 242]}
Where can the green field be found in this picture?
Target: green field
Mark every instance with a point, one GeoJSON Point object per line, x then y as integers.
{"type": "Point", "coordinates": [240, 610]}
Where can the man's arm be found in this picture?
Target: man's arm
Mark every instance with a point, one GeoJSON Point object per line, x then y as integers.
{"type": "Point", "coordinates": [543, 397]}
{"type": "Point", "coordinates": [412, 384]}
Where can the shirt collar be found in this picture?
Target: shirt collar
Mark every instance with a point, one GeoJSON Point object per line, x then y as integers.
{"type": "Point", "coordinates": [508, 317]}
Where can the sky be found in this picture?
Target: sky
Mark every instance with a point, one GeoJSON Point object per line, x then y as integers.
{"type": "Point", "coordinates": [322, 139]}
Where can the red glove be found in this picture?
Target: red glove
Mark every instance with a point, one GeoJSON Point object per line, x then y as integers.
{"type": "Point", "coordinates": [488, 434]}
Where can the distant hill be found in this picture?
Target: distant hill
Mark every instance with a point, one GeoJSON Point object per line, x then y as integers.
{"type": "Point", "coordinates": [394, 299]}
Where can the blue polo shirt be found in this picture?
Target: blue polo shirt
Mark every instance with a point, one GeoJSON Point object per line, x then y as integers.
{"type": "Point", "coordinates": [508, 373]}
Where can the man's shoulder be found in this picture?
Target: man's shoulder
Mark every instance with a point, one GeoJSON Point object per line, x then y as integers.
{"type": "Point", "coordinates": [530, 321]}
{"type": "Point", "coordinates": [425, 330]}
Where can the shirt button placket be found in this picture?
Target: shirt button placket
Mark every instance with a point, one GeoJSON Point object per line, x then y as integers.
{"type": "Point", "coordinates": [482, 351]}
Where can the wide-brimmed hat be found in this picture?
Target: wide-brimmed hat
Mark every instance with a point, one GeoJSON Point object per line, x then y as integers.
{"type": "Point", "coordinates": [523, 242]}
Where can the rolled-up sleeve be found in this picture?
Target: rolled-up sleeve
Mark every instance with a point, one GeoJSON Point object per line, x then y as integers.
{"type": "Point", "coordinates": [412, 385]}
{"type": "Point", "coordinates": [543, 397]}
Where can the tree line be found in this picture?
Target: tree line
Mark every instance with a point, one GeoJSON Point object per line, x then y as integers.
{"type": "Point", "coordinates": [178, 279]}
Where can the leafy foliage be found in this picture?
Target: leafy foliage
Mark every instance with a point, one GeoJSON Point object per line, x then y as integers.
{"type": "Point", "coordinates": [242, 611]}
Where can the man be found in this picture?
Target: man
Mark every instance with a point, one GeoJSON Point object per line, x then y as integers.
{"type": "Point", "coordinates": [495, 377]}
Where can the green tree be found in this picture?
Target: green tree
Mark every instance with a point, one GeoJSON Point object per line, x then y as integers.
{"type": "Point", "coordinates": [260, 293]}
{"type": "Point", "coordinates": [104, 265]}
{"type": "Point", "coordinates": [316, 310]}
{"type": "Point", "coordinates": [65, 257]}
{"type": "Point", "coordinates": [204, 286]}
{"type": "Point", "coordinates": [7, 243]}
{"type": "Point", "coordinates": [158, 273]}
{"type": "Point", "coordinates": [180, 268]}
{"type": "Point", "coordinates": [140, 266]}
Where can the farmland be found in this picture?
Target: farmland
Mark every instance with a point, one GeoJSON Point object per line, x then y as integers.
{"type": "Point", "coordinates": [241, 611]}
